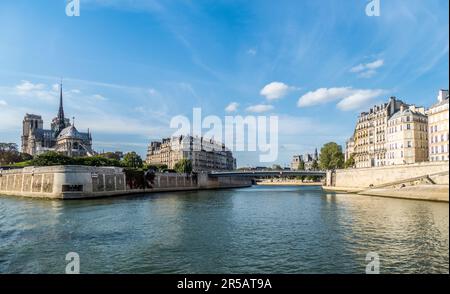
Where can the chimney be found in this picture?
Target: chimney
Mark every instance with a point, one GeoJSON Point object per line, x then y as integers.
{"type": "Point", "coordinates": [443, 94]}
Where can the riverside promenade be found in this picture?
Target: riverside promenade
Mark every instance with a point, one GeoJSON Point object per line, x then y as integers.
{"type": "Point", "coordinates": [422, 181]}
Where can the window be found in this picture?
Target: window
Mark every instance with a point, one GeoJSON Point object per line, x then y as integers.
{"type": "Point", "coordinates": [409, 144]}
{"type": "Point", "coordinates": [408, 126]}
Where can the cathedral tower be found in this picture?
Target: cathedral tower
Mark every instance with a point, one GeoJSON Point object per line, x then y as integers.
{"type": "Point", "coordinates": [59, 123]}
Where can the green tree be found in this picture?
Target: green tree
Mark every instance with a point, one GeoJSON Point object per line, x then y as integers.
{"type": "Point", "coordinates": [156, 167]}
{"type": "Point", "coordinates": [9, 153]}
{"type": "Point", "coordinates": [132, 159]}
{"type": "Point", "coordinates": [315, 165]}
{"type": "Point", "coordinates": [25, 157]}
{"type": "Point", "coordinates": [52, 158]}
{"type": "Point", "coordinates": [331, 156]}
{"type": "Point", "coordinates": [301, 165]}
{"type": "Point", "coordinates": [276, 167]}
{"type": "Point", "coordinates": [183, 166]}
{"type": "Point", "coordinates": [350, 162]}
{"type": "Point", "coordinates": [98, 160]}
{"type": "Point", "coordinates": [112, 155]}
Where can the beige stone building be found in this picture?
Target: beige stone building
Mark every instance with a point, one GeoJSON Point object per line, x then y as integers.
{"type": "Point", "coordinates": [308, 159]}
{"type": "Point", "coordinates": [407, 140]}
{"type": "Point", "coordinates": [438, 129]}
{"type": "Point", "coordinates": [349, 148]}
{"type": "Point", "coordinates": [205, 155]}
{"type": "Point", "coordinates": [370, 134]}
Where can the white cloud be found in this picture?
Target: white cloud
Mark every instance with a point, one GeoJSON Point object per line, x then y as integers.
{"type": "Point", "coordinates": [232, 107]}
{"type": "Point", "coordinates": [323, 95]}
{"type": "Point", "coordinates": [275, 90]}
{"type": "Point", "coordinates": [3, 103]}
{"type": "Point", "coordinates": [152, 92]}
{"type": "Point", "coordinates": [348, 97]}
{"type": "Point", "coordinates": [99, 97]}
{"type": "Point", "coordinates": [28, 89]}
{"type": "Point", "coordinates": [27, 86]}
{"type": "Point", "coordinates": [359, 99]}
{"type": "Point", "coordinates": [252, 51]}
{"type": "Point", "coordinates": [259, 108]}
{"type": "Point", "coordinates": [367, 70]}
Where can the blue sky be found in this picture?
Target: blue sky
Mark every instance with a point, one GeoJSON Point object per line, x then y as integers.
{"type": "Point", "coordinates": [130, 66]}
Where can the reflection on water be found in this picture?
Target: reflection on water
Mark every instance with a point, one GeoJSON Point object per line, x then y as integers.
{"type": "Point", "coordinates": [252, 230]}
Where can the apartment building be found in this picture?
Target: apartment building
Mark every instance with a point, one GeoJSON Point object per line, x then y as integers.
{"type": "Point", "coordinates": [438, 129]}
{"type": "Point", "coordinates": [407, 139]}
{"type": "Point", "coordinates": [205, 154]}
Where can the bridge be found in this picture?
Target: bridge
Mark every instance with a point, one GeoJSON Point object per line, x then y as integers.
{"type": "Point", "coordinates": [274, 173]}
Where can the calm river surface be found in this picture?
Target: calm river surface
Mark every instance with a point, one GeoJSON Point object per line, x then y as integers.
{"type": "Point", "coordinates": [251, 230]}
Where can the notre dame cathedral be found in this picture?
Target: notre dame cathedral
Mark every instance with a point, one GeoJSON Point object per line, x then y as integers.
{"type": "Point", "coordinates": [63, 137]}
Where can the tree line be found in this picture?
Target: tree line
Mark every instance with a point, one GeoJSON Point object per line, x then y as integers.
{"type": "Point", "coordinates": [10, 156]}
{"type": "Point", "coordinates": [331, 157]}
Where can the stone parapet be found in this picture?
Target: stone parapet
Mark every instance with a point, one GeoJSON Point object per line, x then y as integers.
{"type": "Point", "coordinates": [77, 182]}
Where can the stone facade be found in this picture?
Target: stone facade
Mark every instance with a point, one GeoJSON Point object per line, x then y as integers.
{"type": "Point", "coordinates": [438, 128]}
{"type": "Point", "coordinates": [205, 155]}
{"type": "Point", "coordinates": [407, 140]}
{"type": "Point", "coordinates": [308, 159]}
{"type": "Point", "coordinates": [349, 148]}
{"type": "Point", "coordinates": [366, 177]}
{"type": "Point", "coordinates": [370, 134]}
{"type": "Point", "coordinates": [62, 137]}
{"type": "Point", "coordinates": [77, 182]}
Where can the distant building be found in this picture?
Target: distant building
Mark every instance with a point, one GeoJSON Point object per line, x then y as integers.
{"type": "Point", "coordinates": [407, 140]}
{"type": "Point", "coordinates": [370, 134]}
{"type": "Point", "coordinates": [349, 148]}
{"type": "Point", "coordinates": [308, 159]}
{"type": "Point", "coordinates": [438, 130]}
{"type": "Point", "coordinates": [62, 137]}
{"type": "Point", "coordinates": [205, 154]}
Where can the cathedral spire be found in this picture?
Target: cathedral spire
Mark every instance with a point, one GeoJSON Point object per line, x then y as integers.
{"type": "Point", "coordinates": [61, 108]}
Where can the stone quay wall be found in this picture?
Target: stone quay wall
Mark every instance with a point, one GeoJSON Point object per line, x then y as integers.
{"type": "Point", "coordinates": [77, 182]}
{"type": "Point", "coordinates": [365, 177]}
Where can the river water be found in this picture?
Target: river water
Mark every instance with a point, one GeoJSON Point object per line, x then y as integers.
{"type": "Point", "coordinates": [251, 230]}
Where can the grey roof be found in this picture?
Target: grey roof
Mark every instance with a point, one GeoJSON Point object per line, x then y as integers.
{"type": "Point", "coordinates": [72, 132]}
{"type": "Point", "coordinates": [406, 112]}
{"type": "Point", "coordinates": [444, 101]}
{"type": "Point", "coordinates": [41, 133]}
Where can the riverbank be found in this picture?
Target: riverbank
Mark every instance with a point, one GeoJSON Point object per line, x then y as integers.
{"type": "Point", "coordinates": [287, 183]}
{"type": "Point", "coordinates": [437, 193]}
{"type": "Point", "coordinates": [80, 182]}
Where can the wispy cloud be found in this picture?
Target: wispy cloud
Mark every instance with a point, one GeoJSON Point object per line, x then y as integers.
{"type": "Point", "coordinates": [259, 108]}
{"type": "Point", "coordinates": [348, 97]}
{"type": "Point", "coordinates": [27, 89]}
{"type": "Point", "coordinates": [3, 103]}
{"type": "Point", "coordinates": [232, 107]}
{"type": "Point", "coordinates": [367, 70]}
{"type": "Point", "coordinates": [252, 51]}
{"type": "Point", "coordinates": [99, 97]}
